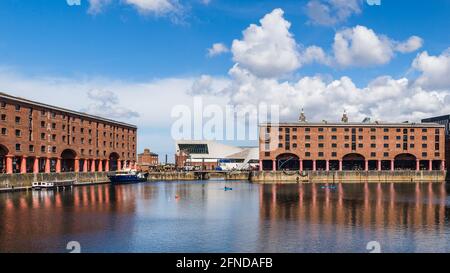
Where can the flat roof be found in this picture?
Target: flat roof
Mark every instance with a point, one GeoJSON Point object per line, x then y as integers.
{"type": "Point", "coordinates": [56, 108]}
{"type": "Point", "coordinates": [440, 118]}
{"type": "Point", "coordinates": [353, 124]}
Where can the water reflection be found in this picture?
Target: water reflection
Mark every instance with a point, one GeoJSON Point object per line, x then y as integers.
{"type": "Point", "coordinates": [202, 217]}
{"type": "Point", "coordinates": [403, 218]}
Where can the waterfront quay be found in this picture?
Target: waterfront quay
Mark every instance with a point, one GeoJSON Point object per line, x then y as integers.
{"type": "Point", "coordinates": [346, 146]}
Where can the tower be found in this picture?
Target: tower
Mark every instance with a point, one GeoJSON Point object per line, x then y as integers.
{"type": "Point", "coordinates": [344, 117]}
{"type": "Point", "coordinates": [302, 117]}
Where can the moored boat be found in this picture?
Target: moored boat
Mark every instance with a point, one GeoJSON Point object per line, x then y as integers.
{"type": "Point", "coordinates": [128, 176]}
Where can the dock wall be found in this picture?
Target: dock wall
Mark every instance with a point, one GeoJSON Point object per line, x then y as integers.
{"type": "Point", "coordinates": [348, 177]}
{"type": "Point", "coordinates": [25, 181]}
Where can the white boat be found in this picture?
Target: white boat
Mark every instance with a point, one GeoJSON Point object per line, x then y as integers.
{"type": "Point", "coordinates": [43, 185]}
{"type": "Point", "coordinates": [52, 185]}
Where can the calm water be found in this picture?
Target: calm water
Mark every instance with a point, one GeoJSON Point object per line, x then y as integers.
{"type": "Point", "coordinates": [250, 218]}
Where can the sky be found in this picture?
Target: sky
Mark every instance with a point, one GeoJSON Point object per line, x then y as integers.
{"type": "Point", "coordinates": [137, 60]}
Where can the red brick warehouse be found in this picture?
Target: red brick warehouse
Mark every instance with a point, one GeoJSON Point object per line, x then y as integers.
{"type": "Point", "coordinates": [40, 138]}
{"type": "Point", "coordinates": [344, 146]}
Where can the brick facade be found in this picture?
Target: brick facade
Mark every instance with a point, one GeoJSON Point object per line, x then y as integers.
{"type": "Point", "coordinates": [147, 160]}
{"type": "Point", "coordinates": [345, 146]}
{"type": "Point", "coordinates": [36, 137]}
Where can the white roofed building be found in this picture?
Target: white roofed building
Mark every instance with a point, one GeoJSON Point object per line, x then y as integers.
{"type": "Point", "coordinates": [210, 155]}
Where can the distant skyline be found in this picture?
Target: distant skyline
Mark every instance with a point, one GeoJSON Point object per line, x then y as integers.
{"type": "Point", "coordinates": [134, 60]}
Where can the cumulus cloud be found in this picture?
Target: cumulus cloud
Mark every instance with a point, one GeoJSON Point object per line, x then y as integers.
{"type": "Point", "coordinates": [315, 54]}
{"type": "Point", "coordinates": [255, 79]}
{"type": "Point", "coordinates": [106, 103]}
{"type": "Point", "coordinates": [361, 46]}
{"type": "Point", "coordinates": [435, 70]}
{"type": "Point", "coordinates": [384, 98]}
{"type": "Point", "coordinates": [171, 8]}
{"type": "Point", "coordinates": [208, 85]}
{"type": "Point", "coordinates": [411, 45]}
{"type": "Point", "coordinates": [267, 50]}
{"type": "Point", "coordinates": [155, 6]}
{"type": "Point", "coordinates": [331, 12]}
{"type": "Point", "coordinates": [217, 49]}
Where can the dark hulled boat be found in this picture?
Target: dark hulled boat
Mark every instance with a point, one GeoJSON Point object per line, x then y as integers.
{"type": "Point", "coordinates": [131, 176]}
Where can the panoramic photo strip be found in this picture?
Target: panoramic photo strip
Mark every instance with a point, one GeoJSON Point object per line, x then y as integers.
{"type": "Point", "coordinates": [224, 135]}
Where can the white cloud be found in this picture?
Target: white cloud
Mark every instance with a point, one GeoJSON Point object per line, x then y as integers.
{"type": "Point", "coordinates": [412, 44]}
{"type": "Point", "coordinates": [361, 46]}
{"type": "Point", "coordinates": [315, 54]}
{"type": "Point", "coordinates": [106, 103]}
{"type": "Point", "coordinates": [384, 98]}
{"type": "Point", "coordinates": [155, 6]}
{"type": "Point", "coordinates": [332, 12]}
{"type": "Point", "coordinates": [208, 85]}
{"type": "Point", "coordinates": [435, 70]}
{"type": "Point", "coordinates": [217, 49]}
{"type": "Point", "coordinates": [268, 50]}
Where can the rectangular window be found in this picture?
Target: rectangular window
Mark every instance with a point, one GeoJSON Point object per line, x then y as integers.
{"type": "Point", "coordinates": [4, 131]}
{"type": "Point", "coordinates": [307, 154]}
{"type": "Point", "coordinates": [17, 120]}
{"type": "Point", "coordinates": [53, 125]}
{"type": "Point", "coordinates": [333, 154]}
{"type": "Point", "coordinates": [386, 130]}
{"type": "Point", "coordinates": [308, 145]}
{"type": "Point", "coordinates": [3, 105]}
{"type": "Point", "coordinates": [424, 130]}
{"type": "Point", "coordinates": [321, 145]}
{"type": "Point", "coordinates": [333, 145]}
{"type": "Point", "coordinates": [42, 124]}
{"type": "Point", "coordinates": [321, 137]}
{"type": "Point", "coordinates": [333, 137]}
{"type": "Point", "coordinates": [386, 154]}
{"type": "Point", "coordinates": [17, 107]}
{"type": "Point", "coordinates": [386, 137]}
{"type": "Point", "coordinates": [31, 148]}
{"type": "Point", "coordinates": [3, 117]}
{"type": "Point", "coordinates": [424, 145]}
{"type": "Point", "coordinates": [43, 149]}
{"type": "Point", "coordinates": [424, 154]}
{"type": "Point", "coordinates": [320, 129]}
{"type": "Point", "coordinates": [18, 147]}
{"type": "Point", "coordinates": [373, 154]}
{"type": "Point", "coordinates": [373, 145]}
{"type": "Point", "coordinates": [18, 133]}
{"type": "Point", "coordinates": [386, 145]}
{"type": "Point", "coordinates": [320, 154]}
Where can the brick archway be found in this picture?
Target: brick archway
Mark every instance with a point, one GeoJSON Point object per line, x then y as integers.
{"type": "Point", "coordinates": [405, 161]}
{"type": "Point", "coordinates": [3, 152]}
{"type": "Point", "coordinates": [288, 161]}
{"type": "Point", "coordinates": [68, 160]}
{"type": "Point", "coordinates": [354, 161]}
{"type": "Point", "coordinates": [114, 164]}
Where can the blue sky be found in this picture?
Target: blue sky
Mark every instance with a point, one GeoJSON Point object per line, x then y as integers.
{"type": "Point", "coordinates": [129, 45]}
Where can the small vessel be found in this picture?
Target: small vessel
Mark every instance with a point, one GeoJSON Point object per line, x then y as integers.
{"type": "Point", "coordinates": [52, 185]}
{"type": "Point", "coordinates": [128, 176]}
{"type": "Point", "coordinates": [228, 189]}
{"type": "Point", "coordinates": [43, 185]}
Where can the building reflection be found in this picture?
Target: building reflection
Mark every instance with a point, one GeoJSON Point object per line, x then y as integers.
{"type": "Point", "coordinates": [368, 212]}
{"type": "Point", "coordinates": [76, 211]}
